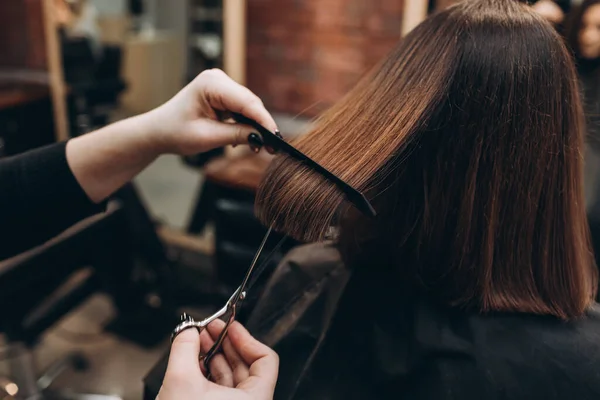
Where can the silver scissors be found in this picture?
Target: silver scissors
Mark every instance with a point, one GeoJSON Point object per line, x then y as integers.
{"type": "Point", "coordinates": [231, 307]}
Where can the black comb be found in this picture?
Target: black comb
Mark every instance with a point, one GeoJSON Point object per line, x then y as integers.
{"type": "Point", "coordinates": [276, 143]}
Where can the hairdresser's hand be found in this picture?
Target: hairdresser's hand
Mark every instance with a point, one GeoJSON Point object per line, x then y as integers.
{"type": "Point", "coordinates": [104, 160]}
{"type": "Point", "coordinates": [187, 124]}
{"type": "Point", "coordinates": [246, 371]}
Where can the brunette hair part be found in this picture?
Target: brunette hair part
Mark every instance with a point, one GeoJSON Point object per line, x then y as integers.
{"type": "Point", "coordinates": [468, 141]}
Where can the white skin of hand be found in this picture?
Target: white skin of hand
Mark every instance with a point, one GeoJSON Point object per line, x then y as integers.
{"type": "Point", "coordinates": [187, 124]}
{"type": "Point", "coordinates": [246, 369]}
{"type": "Point", "coordinates": [104, 160]}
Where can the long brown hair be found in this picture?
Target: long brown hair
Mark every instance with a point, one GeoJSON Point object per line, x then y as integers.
{"type": "Point", "coordinates": [468, 140]}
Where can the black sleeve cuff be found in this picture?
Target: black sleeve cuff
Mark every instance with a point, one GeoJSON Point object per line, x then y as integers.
{"type": "Point", "coordinates": [47, 181]}
{"type": "Point", "coordinates": [40, 198]}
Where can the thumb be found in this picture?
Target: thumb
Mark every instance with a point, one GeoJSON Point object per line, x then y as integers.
{"type": "Point", "coordinates": [207, 134]}
{"type": "Point", "coordinates": [184, 356]}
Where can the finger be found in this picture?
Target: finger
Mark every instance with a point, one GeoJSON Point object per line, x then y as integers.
{"type": "Point", "coordinates": [206, 342]}
{"type": "Point", "coordinates": [183, 359]}
{"type": "Point", "coordinates": [240, 369]}
{"type": "Point", "coordinates": [223, 93]}
{"type": "Point", "coordinates": [220, 371]}
{"type": "Point", "coordinates": [264, 362]}
{"type": "Point", "coordinates": [255, 142]}
{"type": "Point", "coordinates": [270, 150]}
{"type": "Point", "coordinates": [208, 134]}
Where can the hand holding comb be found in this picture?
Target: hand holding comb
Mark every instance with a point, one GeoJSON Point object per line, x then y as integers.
{"type": "Point", "coordinates": [279, 145]}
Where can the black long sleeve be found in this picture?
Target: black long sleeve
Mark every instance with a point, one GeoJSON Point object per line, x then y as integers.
{"type": "Point", "coordinates": [39, 198]}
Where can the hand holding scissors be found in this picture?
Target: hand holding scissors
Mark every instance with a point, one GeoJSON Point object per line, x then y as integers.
{"type": "Point", "coordinates": [247, 369]}
{"type": "Point", "coordinates": [230, 309]}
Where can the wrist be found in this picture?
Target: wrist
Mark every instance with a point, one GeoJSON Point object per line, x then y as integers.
{"type": "Point", "coordinates": [151, 136]}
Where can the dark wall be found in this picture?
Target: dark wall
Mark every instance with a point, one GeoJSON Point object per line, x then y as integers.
{"type": "Point", "coordinates": [22, 43]}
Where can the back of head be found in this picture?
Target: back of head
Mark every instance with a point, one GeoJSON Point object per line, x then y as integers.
{"type": "Point", "coordinates": [468, 139]}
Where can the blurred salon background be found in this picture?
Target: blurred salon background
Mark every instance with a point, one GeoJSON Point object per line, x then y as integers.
{"type": "Point", "coordinates": [91, 310]}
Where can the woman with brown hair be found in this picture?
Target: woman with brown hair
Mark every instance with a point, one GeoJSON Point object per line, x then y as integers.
{"type": "Point", "coordinates": [476, 280]}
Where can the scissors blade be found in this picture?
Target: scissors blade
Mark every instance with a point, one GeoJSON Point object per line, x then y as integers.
{"type": "Point", "coordinates": [240, 292]}
{"type": "Point", "coordinates": [233, 302]}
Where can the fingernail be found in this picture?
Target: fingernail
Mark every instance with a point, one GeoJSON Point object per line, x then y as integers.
{"type": "Point", "coordinates": [255, 142]}
{"type": "Point", "coordinates": [278, 134]}
{"type": "Point", "coordinates": [270, 150]}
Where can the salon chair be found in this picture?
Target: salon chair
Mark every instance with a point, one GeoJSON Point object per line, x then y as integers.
{"type": "Point", "coordinates": [94, 83]}
{"type": "Point", "coordinates": [20, 132]}
{"type": "Point", "coordinates": [40, 286]}
{"type": "Point", "coordinates": [151, 310]}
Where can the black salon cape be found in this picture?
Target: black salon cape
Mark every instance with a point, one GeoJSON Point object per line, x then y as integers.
{"type": "Point", "coordinates": [384, 343]}
{"type": "Point", "coordinates": [39, 198]}
{"type": "Point", "coordinates": [422, 351]}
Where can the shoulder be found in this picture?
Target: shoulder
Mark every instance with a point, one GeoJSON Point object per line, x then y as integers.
{"type": "Point", "coordinates": [314, 260]}
{"type": "Point", "coordinates": [541, 336]}
{"type": "Point", "coordinates": [519, 355]}
{"type": "Point", "coordinates": [305, 274]}
{"type": "Point", "coordinates": [540, 349]}
{"type": "Point", "coordinates": [586, 329]}
{"type": "Point", "coordinates": [303, 268]}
